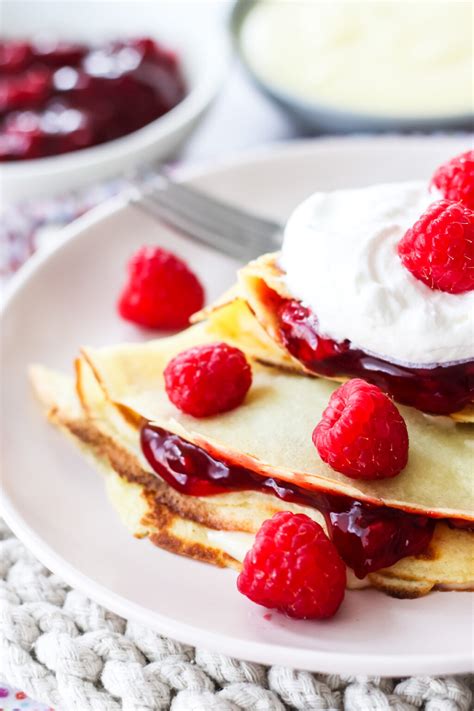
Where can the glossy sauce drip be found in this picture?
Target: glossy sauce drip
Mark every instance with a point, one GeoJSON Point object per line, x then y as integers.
{"type": "Point", "coordinates": [439, 391]}
{"type": "Point", "coordinates": [368, 537]}
{"type": "Point", "coordinates": [59, 97]}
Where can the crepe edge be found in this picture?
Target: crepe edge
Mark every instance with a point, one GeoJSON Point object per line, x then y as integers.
{"type": "Point", "coordinates": [138, 508]}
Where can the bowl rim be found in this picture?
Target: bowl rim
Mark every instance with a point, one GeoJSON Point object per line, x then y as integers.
{"type": "Point", "coordinates": [298, 104]}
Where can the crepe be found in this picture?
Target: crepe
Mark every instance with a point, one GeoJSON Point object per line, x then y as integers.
{"type": "Point", "coordinates": [271, 432]}
{"type": "Point", "coordinates": [117, 387]}
{"type": "Point", "coordinates": [246, 318]}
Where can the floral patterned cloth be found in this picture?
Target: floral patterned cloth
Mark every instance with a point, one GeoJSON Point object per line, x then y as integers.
{"type": "Point", "coordinates": [24, 227]}
{"type": "Point", "coordinates": [17, 700]}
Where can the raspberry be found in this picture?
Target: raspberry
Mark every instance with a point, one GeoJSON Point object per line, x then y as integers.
{"type": "Point", "coordinates": [294, 567]}
{"type": "Point", "coordinates": [205, 380]}
{"type": "Point", "coordinates": [439, 248]}
{"type": "Point", "coordinates": [361, 433]}
{"type": "Point", "coordinates": [15, 55]}
{"type": "Point", "coordinates": [455, 179]}
{"type": "Point", "coordinates": [299, 328]}
{"type": "Point", "coordinates": [162, 292]}
{"type": "Point", "coordinates": [26, 91]}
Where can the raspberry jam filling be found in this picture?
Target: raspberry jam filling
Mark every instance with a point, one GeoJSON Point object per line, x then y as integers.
{"type": "Point", "coordinates": [59, 97]}
{"type": "Point", "coordinates": [439, 391]}
{"type": "Point", "coordinates": [367, 537]}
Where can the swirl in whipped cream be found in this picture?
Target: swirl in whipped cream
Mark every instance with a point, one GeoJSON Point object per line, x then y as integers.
{"type": "Point", "coordinates": [340, 259]}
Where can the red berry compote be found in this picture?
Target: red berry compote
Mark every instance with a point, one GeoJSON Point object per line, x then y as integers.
{"type": "Point", "coordinates": [57, 97]}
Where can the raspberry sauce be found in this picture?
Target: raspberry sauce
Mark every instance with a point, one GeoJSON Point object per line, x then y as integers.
{"type": "Point", "coordinates": [367, 537]}
{"type": "Point", "coordinates": [57, 97]}
{"type": "Point", "coordinates": [438, 391]}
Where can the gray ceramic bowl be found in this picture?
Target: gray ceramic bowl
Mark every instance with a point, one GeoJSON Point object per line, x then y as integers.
{"type": "Point", "coordinates": [318, 117]}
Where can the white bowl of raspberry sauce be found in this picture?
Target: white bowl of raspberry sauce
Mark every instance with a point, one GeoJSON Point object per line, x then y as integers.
{"type": "Point", "coordinates": [185, 58]}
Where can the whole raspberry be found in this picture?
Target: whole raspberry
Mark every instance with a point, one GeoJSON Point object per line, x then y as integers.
{"type": "Point", "coordinates": [205, 380]}
{"type": "Point", "coordinates": [161, 292]}
{"type": "Point", "coordinates": [294, 567]}
{"type": "Point", "coordinates": [455, 179]}
{"type": "Point", "coordinates": [439, 248]}
{"type": "Point", "coordinates": [361, 433]}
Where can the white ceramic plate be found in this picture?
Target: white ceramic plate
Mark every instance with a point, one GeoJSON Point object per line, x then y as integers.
{"type": "Point", "coordinates": [57, 505]}
{"type": "Point", "coordinates": [200, 44]}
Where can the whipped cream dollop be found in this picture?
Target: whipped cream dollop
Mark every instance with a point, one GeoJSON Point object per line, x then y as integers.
{"type": "Point", "coordinates": [339, 258]}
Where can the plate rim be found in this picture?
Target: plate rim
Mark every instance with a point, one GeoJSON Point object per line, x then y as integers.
{"type": "Point", "coordinates": [325, 661]}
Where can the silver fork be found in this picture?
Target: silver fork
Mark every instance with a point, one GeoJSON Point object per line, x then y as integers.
{"type": "Point", "coordinates": [217, 224]}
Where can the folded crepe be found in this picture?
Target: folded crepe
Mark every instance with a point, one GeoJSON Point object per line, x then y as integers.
{"type": "Point", "coordinates": [247, 317]}
{"type": "Point", "coordinates": [118, 388]}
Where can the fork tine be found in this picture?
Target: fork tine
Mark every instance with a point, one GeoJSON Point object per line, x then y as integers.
{"type": "Point", "coordinates": [216, 241]}
{"type": "Point", "coordinates": [213, 222]}
{"type": "Point", "coordinates": [231, 232]}
{"type": "Point", "coordinates": [202, 201]}
{"type": "Point", "coordinates": [208, 219]}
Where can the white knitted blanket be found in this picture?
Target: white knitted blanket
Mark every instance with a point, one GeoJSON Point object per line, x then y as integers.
{"type": "Point", "coordinates": [65, 650]}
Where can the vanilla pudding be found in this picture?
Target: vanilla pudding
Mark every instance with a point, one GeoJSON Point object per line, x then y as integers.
{"type": "Point", "coordinates": [385, 58]}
